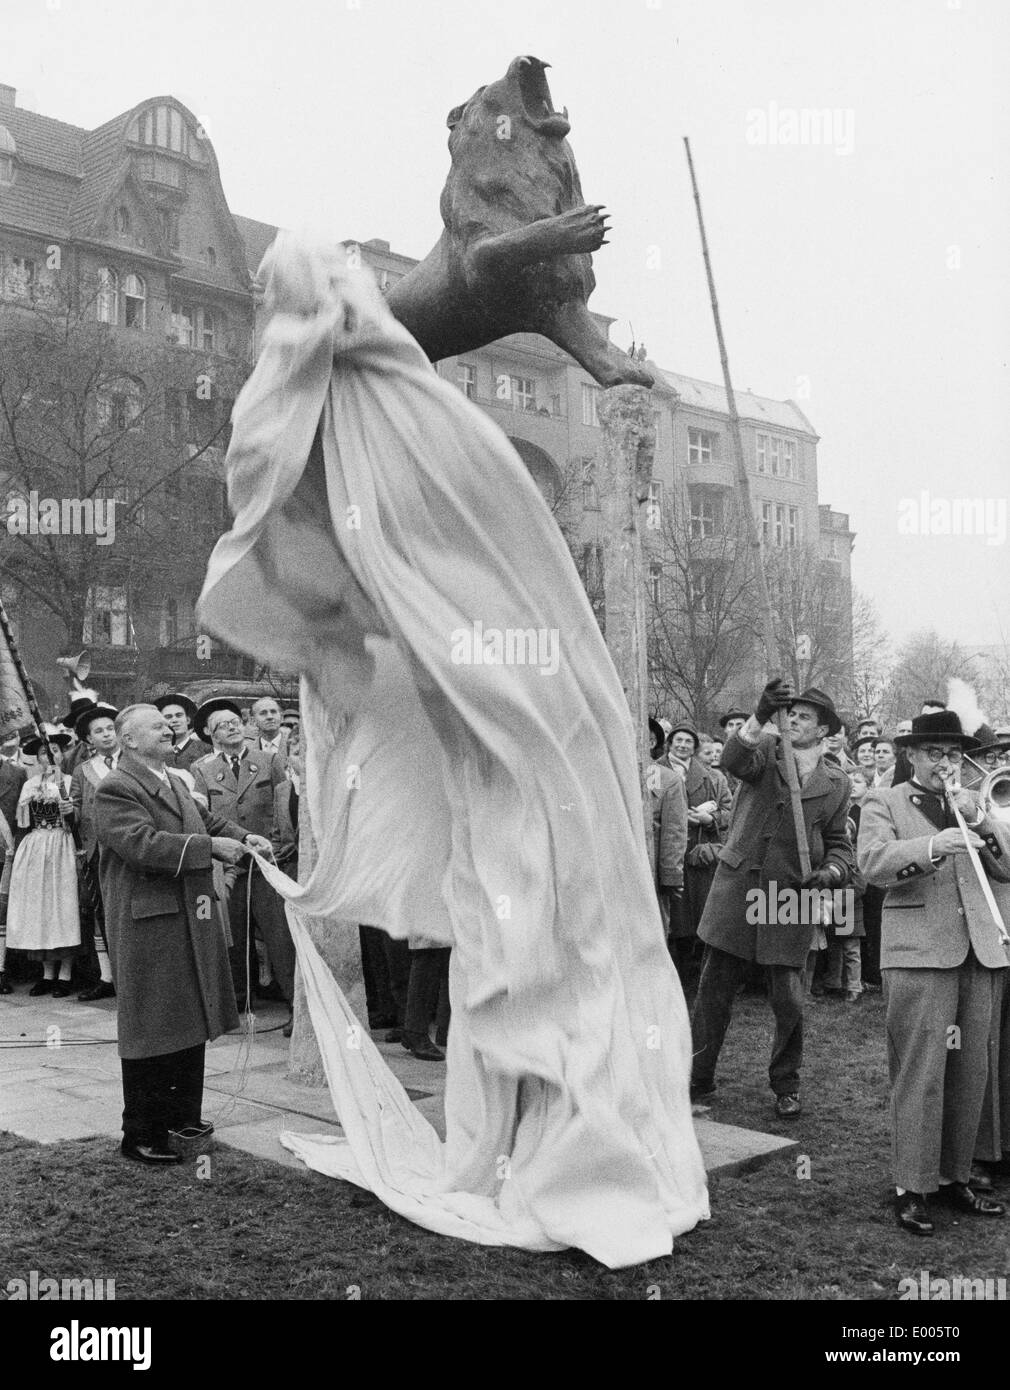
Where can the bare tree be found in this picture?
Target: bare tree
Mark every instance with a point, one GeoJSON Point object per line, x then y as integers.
{"type": "Point", "coordinates": [702, 612]}
{"type": "Point", "coordinates": [921, 670]}
{"type": "Point", "coordinates": [105, 429]}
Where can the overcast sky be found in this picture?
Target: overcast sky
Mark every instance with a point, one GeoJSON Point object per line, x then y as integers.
{"type": "Point", "coordinates": [865, 277]}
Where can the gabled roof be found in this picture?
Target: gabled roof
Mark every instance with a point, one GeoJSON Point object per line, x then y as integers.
{"type": "Point", "coordinates": [257, 237]}
{"type": "Point", "coordinates": [706, 395]}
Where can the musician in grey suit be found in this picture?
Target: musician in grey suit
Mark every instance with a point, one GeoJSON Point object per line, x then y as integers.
{"type": "Point", "coordinates": [942, 957]}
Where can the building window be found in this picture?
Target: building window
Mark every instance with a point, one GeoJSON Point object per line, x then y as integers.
{"type": "Point", "coordinates": [106, 622]}
{"type": "Point", "coordinates": [590, 493]}
{"type": "Point", "coordinates": [524, 393]}
{"type": "Point", "coordinates": [701, 446]}
{"type": "Point", "coordinates": [168, 220]}
{"type": "Point", "coordinates": [8, 154]}
{"type": "Point", "coordinates": [175, 415]}
{"type": "Point", "coordinates": [182, 324]}
{"type": "Point", "coordinates": [657, 421]}
{"type": "Point", "coordinates": [206, 329]}
{"type": "Point", "coordinates": [655, 498]}
{"type": "Point", "coordinates": [590, 404]}
{"type": "Point", "coordinates": [118, 405]}
{"type": "Point", "coordinates": [592, 570]}
{"type": "Point", "coordinates": [706, 515]}
{"type": "Point", "coordinates": [656, 582]}
{"type": "Point", "coordinates": [20, 279]}
{"type": "Point", "coordinates": [107, 299]}
{"type": "Point", "coordinates": [169, 633]}
{"type": "Point", "coordinates": [211, 256]}
{"type": "Point", "coordinates": [779, 524]}
{"type": "Point", "coordinates": [466, 380]}
{"type": "Point", "coordinates": [556, 405]}
{"type": "Point", "coordinates": [122, 220]}
{"type": "Point", "coordinates": [776, 457]}
{"type": "Point", "coordinates": [134, 302]}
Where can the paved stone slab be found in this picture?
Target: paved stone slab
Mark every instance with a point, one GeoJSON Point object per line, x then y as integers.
{"type": "Point", "coordinates": [729, 1149]}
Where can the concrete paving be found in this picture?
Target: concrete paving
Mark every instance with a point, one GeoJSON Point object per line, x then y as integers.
{"type": "Point", "coordinates": [60, 1079]}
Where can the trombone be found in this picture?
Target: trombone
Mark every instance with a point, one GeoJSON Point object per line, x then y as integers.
{"type": "Point", "coordinates": [994, 789]}
{"type": "Point", "coordinates": [983, 882]}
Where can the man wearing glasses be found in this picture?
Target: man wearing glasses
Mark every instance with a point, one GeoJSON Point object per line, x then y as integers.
{"type": "Point", "coordinates": [942, 959]}
{"type": "Point", "coordinates": [240, 784]}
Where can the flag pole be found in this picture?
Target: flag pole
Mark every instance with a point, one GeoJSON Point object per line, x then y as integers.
{"type": "Point", "coordinates": [29, 691]}
{"type": "Point", "coordinates": [743, 488]}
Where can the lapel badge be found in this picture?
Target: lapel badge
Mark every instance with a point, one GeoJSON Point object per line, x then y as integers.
{"type": "Point", "coordinates": [916, 800]}
{"type": "Point", "coordinates": [220, 776]}
{"type": "Point", "coordinates": [252, 767]}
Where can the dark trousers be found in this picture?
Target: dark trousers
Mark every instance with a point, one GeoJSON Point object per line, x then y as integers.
{"type": "Point", "coordinates": [268, 914]}
{"type": "Point", "coordinates": [429, 982]}
{"type": "Point", "coordinates": [385, 967]}
{"type": "Point", "coordinates": [721, 977]}
{"type": "Point", "coordinates": [161, 1093]}
{"type": "Point", "coordinates": [873, 906]}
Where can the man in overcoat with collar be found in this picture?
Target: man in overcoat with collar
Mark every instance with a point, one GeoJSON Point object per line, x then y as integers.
{"type": "Point", "coordinates": [739, 924]}
{"type": "Point", "coordinates": [241, 784]}
{"type": "Point", "coordinates": [166, 940]}
{"type": "Point", "coordinates": [943, 964]}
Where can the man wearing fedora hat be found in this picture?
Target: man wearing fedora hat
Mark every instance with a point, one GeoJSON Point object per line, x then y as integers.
{"type": "Point", "coordinates": [943, 961]}
{"type": "Point", "coordinates": [96, 730]}
{"type": "Point", "coordinates": [180, 712]}
{"type": "Point", "coordinates": [761, 854]}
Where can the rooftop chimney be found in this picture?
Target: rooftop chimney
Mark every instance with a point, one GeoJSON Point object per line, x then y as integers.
{"type": "Point", "coordinates": [8, 96]}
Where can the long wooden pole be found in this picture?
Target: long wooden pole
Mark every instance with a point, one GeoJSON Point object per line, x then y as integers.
{"type": "Point", "coordinates": [743, 488]}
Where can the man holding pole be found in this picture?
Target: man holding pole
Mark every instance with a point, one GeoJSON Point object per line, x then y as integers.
{"type": "Point", "coordinates": [754, 910]}
{"type": "Point", "coordinates": [945, 864]}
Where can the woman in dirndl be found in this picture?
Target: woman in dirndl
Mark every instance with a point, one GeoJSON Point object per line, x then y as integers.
{"type": "Point", "coordinates": [42, 911]}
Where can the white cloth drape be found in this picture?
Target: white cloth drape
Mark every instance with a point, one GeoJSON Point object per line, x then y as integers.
{"type": "Point", "coordinates": [470, 776]}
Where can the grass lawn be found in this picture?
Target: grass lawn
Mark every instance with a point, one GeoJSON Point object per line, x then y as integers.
{"type": "Point", "coordinates": [256, 1230]}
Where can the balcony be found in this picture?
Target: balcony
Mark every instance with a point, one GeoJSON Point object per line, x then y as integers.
{"type": "Point", "coordinates": [179, 664]}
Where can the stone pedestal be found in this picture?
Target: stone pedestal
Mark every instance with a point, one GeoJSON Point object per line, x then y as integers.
{"type": "Point", "coordinates": [624, 473]}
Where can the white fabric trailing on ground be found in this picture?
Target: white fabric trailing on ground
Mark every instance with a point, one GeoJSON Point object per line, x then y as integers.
{"type": "Point", "coordinates": [462, 784]}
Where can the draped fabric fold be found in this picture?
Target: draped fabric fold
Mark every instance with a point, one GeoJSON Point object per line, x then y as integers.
{"type": "Point", "coordinates": [470, 777]}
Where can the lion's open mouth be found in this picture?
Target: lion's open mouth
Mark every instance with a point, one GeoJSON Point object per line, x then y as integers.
{"type": "Point", "coordinates": [536, 98]}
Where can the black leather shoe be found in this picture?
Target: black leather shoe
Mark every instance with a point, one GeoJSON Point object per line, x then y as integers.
{"type": "Point", "coordinates": [147, 1153]}
{"type": "Point", "coordinates": [41, 987]}
{"type": "Point", "coordinates": [62, 989]}
{"type": "Point", "coordinates": [422, 1047]}
{"type": "Point", "coordinates": [5, 988]}
{"type": "Point", "coordinates": [105, 989]}
{"type": "Point", "coordinates": [788, 1107]}
{"type": "Point", "coordinates": [702, 1090]}
{"type": "Point", "coordinates": [960, 1197]}
{"type": "Point", "coordinates": [979, 1180]}
{"type": "Point", "coordinates": [913, 1214]}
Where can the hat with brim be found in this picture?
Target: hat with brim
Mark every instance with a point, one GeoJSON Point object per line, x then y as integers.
{"type": "Point", "coordinates": [866, 738]}
{"type": "Point", "coordinates": [823, 704]}
{"type": "Point", "coordinates": [80, 700]}
{"type": "Point", "coordinates": [100, 711]}
{"type": "Point", "coordinates": [175, 698]}
{"type": "Point", "coordinates": [657, 734]}
{"type": "Point", "coordinates": [208, 708]}
{"type": "Point", "coordinates": [733, 714]}
{"type": "Point", "coordinates": [941, 727]}
{"type": "Point", "coordinates": [687, 729]}
{"type": "Point", "coordinates": [55, 734]}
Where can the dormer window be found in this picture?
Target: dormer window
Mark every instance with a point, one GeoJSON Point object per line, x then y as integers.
{"type": "Point", "coordinates": [8, 157]}
{"type": "Point", "coordinates": [122, 221]}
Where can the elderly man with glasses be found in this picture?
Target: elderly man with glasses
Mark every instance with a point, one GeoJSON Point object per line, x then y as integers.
{"type": "Point", "coordinates": [943, 958]}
